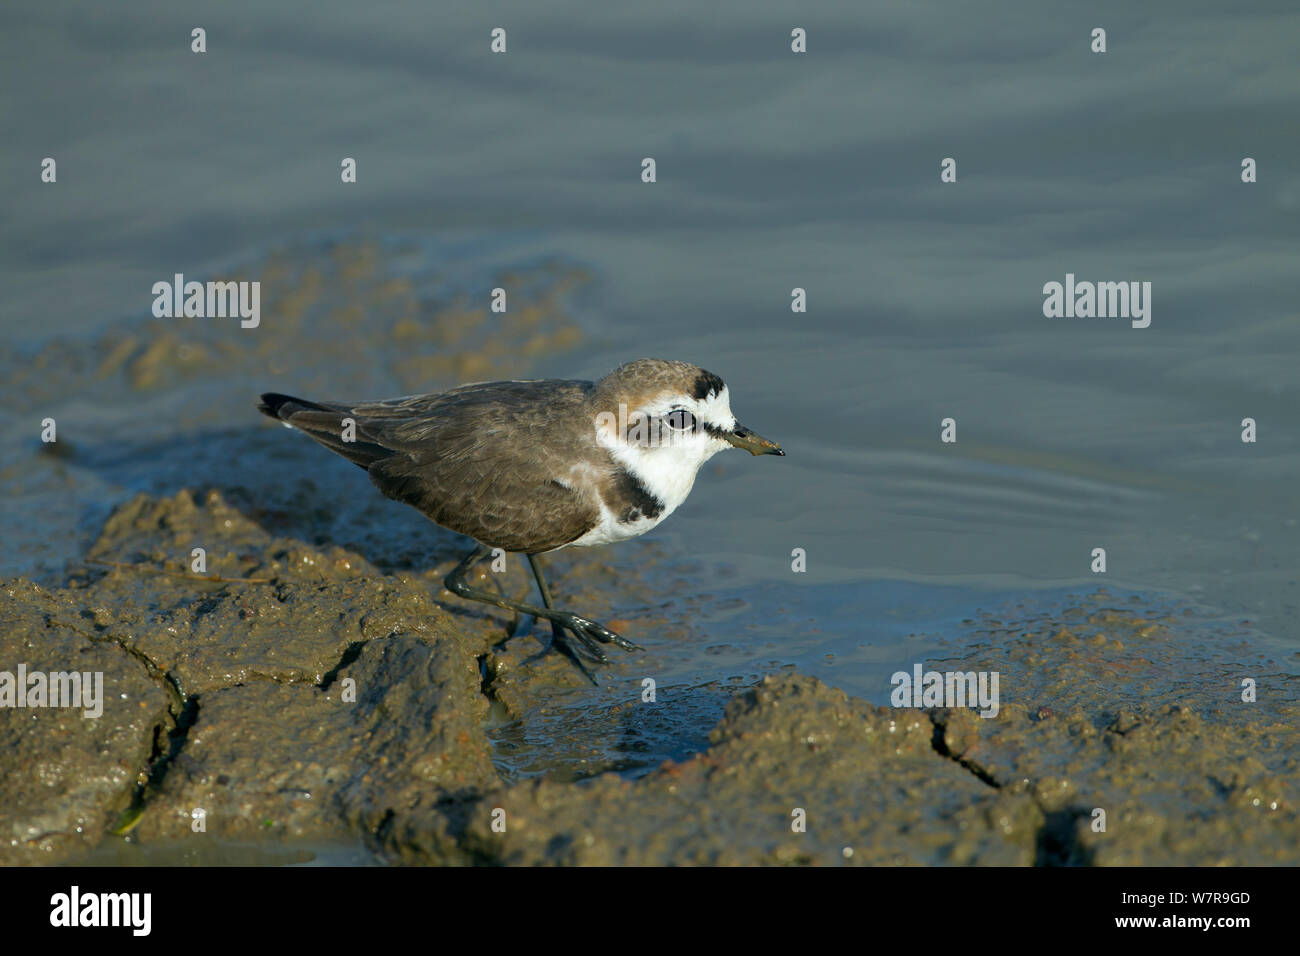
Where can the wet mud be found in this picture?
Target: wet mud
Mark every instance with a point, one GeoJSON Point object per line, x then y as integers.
{"type": "Point", "coordinates": [294, 696]}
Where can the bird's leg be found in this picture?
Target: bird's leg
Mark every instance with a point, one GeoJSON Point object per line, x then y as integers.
{"type": "Point", "coordinates": [587, 632]}
{"type": "Point", "coordinates": [559, 638]}
{"type": "Point", "coordinates": [604, 635]}
{"type": "Point", "coordinates": [535, 563]}
{"type": "Point", "coordinates": [518, 618]}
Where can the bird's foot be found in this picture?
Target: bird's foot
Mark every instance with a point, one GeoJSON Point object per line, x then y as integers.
{"type": "Point", "coordinates": [589, 632]}
{"type": "Point", "coordinates": [579, 640]}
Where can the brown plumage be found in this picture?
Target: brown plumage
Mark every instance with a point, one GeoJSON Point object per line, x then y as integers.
{"type": "Point", "coordinates": [456, 456]}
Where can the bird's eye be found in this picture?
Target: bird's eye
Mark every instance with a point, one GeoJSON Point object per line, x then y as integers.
{"type": "Point", "coordinates": [679, 419]}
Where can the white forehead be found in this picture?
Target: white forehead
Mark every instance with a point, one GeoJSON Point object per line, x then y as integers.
{"type": "Point", "coordinates": [716, 408]}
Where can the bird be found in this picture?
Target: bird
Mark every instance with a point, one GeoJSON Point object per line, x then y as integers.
{"type": "Point", "coordinates": [531, 467]}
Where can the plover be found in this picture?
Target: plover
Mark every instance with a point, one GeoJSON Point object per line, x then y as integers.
{"type": "Point", "coordinates": [535, 466]}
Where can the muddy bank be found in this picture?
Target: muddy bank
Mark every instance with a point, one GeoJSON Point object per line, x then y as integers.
{"type": "Point", "coordinates": [155, 404]}
{"type": "Point", "coordinates": [292, 696]}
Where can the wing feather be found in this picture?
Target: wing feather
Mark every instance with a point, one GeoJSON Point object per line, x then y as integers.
{"type": "Point", "coordinates": [487, 460]}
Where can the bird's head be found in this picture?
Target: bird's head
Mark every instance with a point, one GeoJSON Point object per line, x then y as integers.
{"type": "Point", "coordinates": [654, 407]}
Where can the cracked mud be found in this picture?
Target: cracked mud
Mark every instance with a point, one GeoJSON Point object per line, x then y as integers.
{"type": "Point", "coordinates": [299, 697]}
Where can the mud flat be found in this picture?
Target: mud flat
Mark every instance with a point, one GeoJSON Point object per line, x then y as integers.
{"type": "Point", "coordinates": [293, 696]}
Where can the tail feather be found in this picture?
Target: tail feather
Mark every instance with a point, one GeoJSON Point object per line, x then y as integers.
{"type": "Point", "coordinates": [273, 402]}
{"type": "Point", "coordinates": [325, 424]}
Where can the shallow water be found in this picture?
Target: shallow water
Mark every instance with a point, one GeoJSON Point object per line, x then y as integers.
{"type": "Point", "coordinates": [774, 171]}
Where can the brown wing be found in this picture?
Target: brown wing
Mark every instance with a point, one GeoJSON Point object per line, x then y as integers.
{"type": "Point", "coordinates": [483, 460]}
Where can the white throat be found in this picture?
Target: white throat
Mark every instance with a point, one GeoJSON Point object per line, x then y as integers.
{"type": "Point", "coordinates": [667, 473]}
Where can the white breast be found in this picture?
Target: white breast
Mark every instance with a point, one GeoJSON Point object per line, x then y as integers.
{"type": "Point", "coordinates": [667, 473]}
{"type": "Point", "coordinates": [609, 529]}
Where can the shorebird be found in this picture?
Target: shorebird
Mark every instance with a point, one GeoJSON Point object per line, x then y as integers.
{"type": "Point", "coordinates": [535, 466]}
